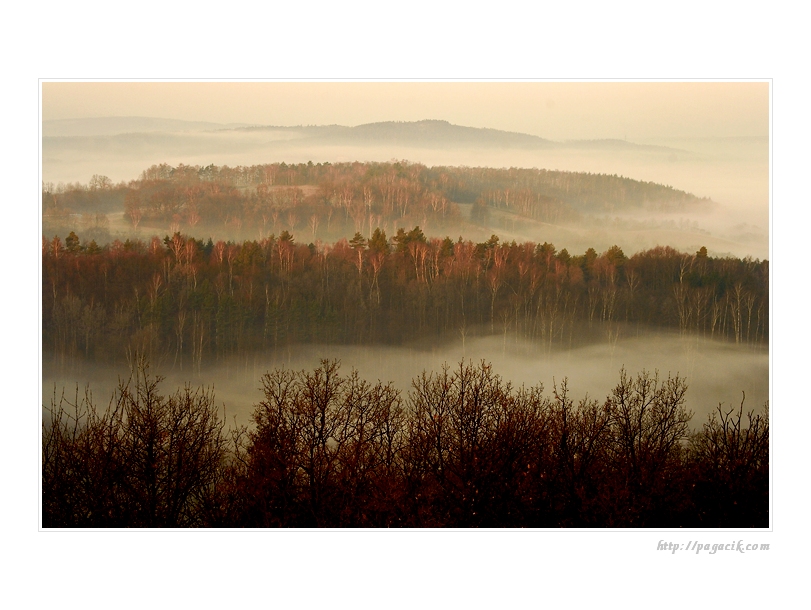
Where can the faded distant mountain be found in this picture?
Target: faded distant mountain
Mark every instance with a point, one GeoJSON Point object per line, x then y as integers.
{"type": "Point", "coordinates": [434, 134]}
{"type": "Point", "coordinates": [109, 126]}
{"type": "Point", "coordinates": [429, 133]}
{"type": "Point", "coordinates": [438, 134]}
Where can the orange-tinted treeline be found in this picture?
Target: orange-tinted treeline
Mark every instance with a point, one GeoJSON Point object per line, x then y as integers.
{"type": "Point", "coordinates": [326, 199]}
{"type": "Point", "coordinates": [191, 300]}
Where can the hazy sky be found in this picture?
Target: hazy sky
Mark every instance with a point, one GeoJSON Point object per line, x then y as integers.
{"type": "Point", "coordinates": [556, 110]}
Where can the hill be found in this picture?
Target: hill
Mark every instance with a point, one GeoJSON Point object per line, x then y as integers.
{"type": "Point", "coordinates": [437, 134]}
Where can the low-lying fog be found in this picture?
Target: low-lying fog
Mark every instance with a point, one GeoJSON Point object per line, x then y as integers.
{"type": "Point", "coordinates": [716, 372]}
{"type": "Point", "coordinates": [733, 172]}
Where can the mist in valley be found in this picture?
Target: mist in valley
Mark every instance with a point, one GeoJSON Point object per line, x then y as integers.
{"type": "Point", "coordinates": [716, 372]}
{"type": "Point", "coordinates": [733, 173]}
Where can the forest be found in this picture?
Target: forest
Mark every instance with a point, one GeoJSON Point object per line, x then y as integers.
{"type": "Point", "coordinates": [190, 301]}
{"type": "Point", "coordinates": [328, 200]}
{"type": "Point", "coordinates": [461, 447]}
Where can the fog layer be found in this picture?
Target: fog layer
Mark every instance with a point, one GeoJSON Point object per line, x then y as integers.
{"type": "Point", "coordinates": [733, 172]}
{"type": "Point", "coordinates": [716, 372]}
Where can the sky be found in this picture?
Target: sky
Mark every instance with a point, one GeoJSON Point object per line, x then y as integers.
{"type": "Point", "coordinates": [635, 110]}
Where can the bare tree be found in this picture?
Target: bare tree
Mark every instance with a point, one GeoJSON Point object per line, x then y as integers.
{"type": "Point", "coordinates": [324, 448]}
{"type": "Point", "coordinates": [148, 460]}
{"type": "Point", "coordinates": [648, 425]}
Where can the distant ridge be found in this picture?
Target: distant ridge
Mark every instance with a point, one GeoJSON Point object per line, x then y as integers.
{"type": "Point", "coordinates": [428, 132]}
{"type": "Point", "coordinates": [441, 134]}
{"type": "Point", "coordinates": [436, 132]}
{"type": "Point", "coordinates": [101, 132]}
